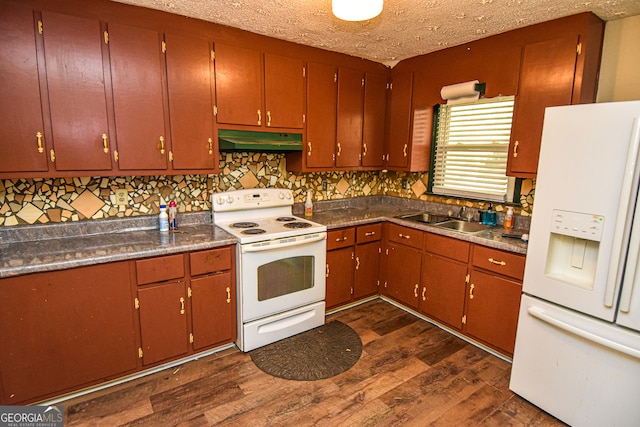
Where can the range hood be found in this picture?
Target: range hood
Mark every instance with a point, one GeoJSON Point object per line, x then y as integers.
{"type": "Point", "coordinates": [235, 140]}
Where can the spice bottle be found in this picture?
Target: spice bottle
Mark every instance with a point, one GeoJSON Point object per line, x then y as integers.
{"type": "Point", "coordinates": [163, 218]}
{"type": "Point", "coordinates": [508, 219]}
{"type": "Point", "coordinates": [308, 205]}
{"type": "Point", "coordinates": [173, 216]}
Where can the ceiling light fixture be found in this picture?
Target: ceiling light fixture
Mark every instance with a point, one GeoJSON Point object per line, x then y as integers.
{"type": "Point", "coordinates": [356, 10]}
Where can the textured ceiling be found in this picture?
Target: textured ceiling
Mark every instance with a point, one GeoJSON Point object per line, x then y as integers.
{"type": "Point", "coordinates": [405, 28]}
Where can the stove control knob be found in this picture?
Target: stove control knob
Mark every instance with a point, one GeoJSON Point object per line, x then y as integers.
{"type": "Point", "coordinates": [281, 195]}
{"type": "Point", "coordinates": [229, 199]}
{"type": "Point", "coordinates": [220, 200]}
{"type": "Point", "coordinates": [288, 195]}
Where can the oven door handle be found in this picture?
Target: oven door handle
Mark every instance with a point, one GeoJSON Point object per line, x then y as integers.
{"type": "Point", "coordinates": [271, 246]}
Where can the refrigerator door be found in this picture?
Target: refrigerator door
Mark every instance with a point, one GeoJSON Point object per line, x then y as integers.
{"type": "Point", "coordinates": [581, 370]}
{"type": "Point", "coordinates": [629, 306]}
{"type": "Point", "coordinates": [585, 195]}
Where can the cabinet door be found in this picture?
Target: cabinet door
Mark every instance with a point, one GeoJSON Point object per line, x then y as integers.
{"type": "Point", "coordinates": [190, 81]}
{"type": "Point", "coordinates": [350, 117]}
{"type": "Point", "coordinates": [546, 79]}
{"type": "Point", "coordinates": [213, 307]}
{"type": "Point", "coordinates": [373, 128]}
{"type": "Point", "coordinates": [367, 270]}
{"type": "Point", "coordinates": [403, 274]}
{"type": "Point", "coordinates": [400, 121]}
{"type": "Point", "coordinates": [492, 310]}
{"type": "Point", "coordinates": [137, 78]}
{"type": "Point", "coordinates": [443, 286]}
{"type": "Point", "coordinates": [22, 141]}
{"type": "Point", "coordinates": [321, 115]}
{"type": "Point", "coordinates": [339, 277]}
{"type": "Point", "coordinates": [77, 100]}
{"type": "Point", "coordinates": [66, 329]}
{"type": "Point", "coordinates": [239, 86]}
{"type": "Point", "coordinates": [163, 322]}
{"type": "Point", "coordinates": [284, 91]}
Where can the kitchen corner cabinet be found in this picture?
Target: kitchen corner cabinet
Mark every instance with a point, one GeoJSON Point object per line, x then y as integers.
{"type": "Point", "coordinates": [374, 123]}
{"type": "Point", "coordinates": [23, 140]}
{"type": "Point", "coordinates": [258, 91]}
{"type": "Point", "coordinates": [398, 148]}
{"type": "Point", "coordinates": [402, 259]}
{"type": "Point", "coordinates": [353, 264]}
{"type": "Point", "coordinates": [76, 62]}
{"type": "Point", "coordinates": [444, 279]}
{"type": "Point", "coordinates": [65, 330]}
{"type": "Point", "coordinates": [493, 297]}
{"type": "Point", "coordinates": [350, 118]}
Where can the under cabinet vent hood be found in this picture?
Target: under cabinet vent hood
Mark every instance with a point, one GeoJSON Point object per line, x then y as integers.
{"type": "Point", "coordinates": [235, 140]}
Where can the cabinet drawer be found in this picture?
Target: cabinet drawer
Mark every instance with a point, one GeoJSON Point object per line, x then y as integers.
{"type": "Point", "coordinates": [501, 262]}
{"type": "Point", "coordinates": [159, 269]}
{"type": "Point", "coordinates": [447, 246]}
{"type": "Point", "coordinates": [406, 236]}
{"type": "Point", "coordinates": [209, 261]}
{"type": "Point", "coordinates": [368, 233]}
{"type": "Point", "coordinates": [341, 238]}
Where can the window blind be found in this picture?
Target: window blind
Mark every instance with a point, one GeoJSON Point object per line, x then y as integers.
{"type": "Point", "coordinates": [471, 149]}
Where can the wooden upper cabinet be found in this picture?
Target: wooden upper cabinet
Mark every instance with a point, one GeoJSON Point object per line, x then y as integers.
{"type": "Point", "coordinates": [373, 127]}
{"type": "Point", "coordinates": [321, 115]}
{"type": "Point", "coordinates": [22, 134]}
{"type": "Point", "coordinates": [546, 79]}
{"type": "Point", "coordinates": [77, 99]}
{"type": "Point", "coordinates": [191, 87]}
{"type": "Point", "coordinates": [350, 117]}
{"type": "Point", "coordinates": [239, 85]}
{"type": "Point", "coordinates": [400, 121]}
{"type": "Point", "coordinates": [285, 80]}
{"type": "Point", "coordinates": [137, 75]}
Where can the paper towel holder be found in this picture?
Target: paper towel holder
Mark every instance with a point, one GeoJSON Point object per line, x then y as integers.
{"type": "Point", "coordinates": [463, 92]}
{"type": "Point", "coordinates": [481, 88]}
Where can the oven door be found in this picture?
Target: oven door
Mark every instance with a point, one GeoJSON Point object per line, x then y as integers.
{"type": "Point", "coordinates": [279, 275]}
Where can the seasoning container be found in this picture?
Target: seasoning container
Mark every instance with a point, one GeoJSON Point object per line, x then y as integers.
{"type": "Point", "coordinates": [508, 219]}
{"type": "Point", "coordinates": [173, 216]}
{"type": "Point", "coordinates": [163, 218]}
{"type": "Point", "coordinates": [308, 205]}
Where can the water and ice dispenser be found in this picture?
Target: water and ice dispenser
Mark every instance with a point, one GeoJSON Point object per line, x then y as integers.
{"type": "Point", "coordinates": [573, 248]}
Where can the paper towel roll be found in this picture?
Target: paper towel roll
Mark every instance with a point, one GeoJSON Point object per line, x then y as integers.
{"type": "Point", "coordinates": [461, 92]}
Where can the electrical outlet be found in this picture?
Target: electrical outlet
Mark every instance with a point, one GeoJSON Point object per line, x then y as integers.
{"type": "Point", "coordinates": [324, 185]}
{"type": "Point", "coordinates": [122, 197]}
{"type": "Point", "coordinates": [405, 184]}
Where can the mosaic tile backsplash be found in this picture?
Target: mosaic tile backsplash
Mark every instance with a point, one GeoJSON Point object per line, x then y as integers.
{"type": "Point", "coordinates": [42, 201]}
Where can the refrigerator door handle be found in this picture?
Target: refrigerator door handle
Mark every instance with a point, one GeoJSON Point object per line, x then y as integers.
{"type": "Point", "coordinates": [629, 183]}
{"type": "Point", "coordinates": [540, 314]}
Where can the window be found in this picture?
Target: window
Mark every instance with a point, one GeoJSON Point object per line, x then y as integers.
{"type": "Point", "coordinates": [470, 156]}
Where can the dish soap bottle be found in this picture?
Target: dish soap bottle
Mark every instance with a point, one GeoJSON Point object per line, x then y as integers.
{"type": "Point", "coordinates": [163, 218]}
{"type": "Point", "coordinates": [508, 219]}
{"type": "Point", "coordinates": [308, 205]}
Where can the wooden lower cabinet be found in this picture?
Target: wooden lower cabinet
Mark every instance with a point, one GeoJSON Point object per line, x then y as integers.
{"type": "Point", "coordinates": [64, 330]}
{"type": "Point", "coordinates": [367, 270]}
{"type": "Point", "coordinates": [403, 274]}
{"type": "Point", "coordinates": [340, 263]}
{"type": "Point", "coordinates": [213, 314]}
{"type": "Point", "coordinates": [443, 289]}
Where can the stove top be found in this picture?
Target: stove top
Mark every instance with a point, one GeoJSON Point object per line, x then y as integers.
{"type": "Point", "coordinates": [260, 214]}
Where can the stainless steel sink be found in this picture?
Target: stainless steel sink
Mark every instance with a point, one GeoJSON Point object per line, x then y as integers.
{"type": "Point", "coordinates": [463, 226]}
{"type": "Point", "coordinates": [426, 218]}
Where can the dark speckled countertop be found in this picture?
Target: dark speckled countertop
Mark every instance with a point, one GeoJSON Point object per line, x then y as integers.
{"type": "Point", "coordinates": [32, 249]}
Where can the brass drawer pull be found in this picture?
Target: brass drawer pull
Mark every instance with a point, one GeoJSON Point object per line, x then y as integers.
{"type": "Point", "coordinates": [105, 143]}
{"type": "Point", "coordinates": [327, 273]}
{"type": "Point", "coordinates": [370, 233]}
{"type": "Point", "coordinates": [182, 305]}
{"type": "Point", "coordinates": [357, 263]}
{"type": "Point", "coordinates": [341, 239]}
{"type": "Point", "coordinates": [493, 261]}
{"type": "Point", "coordinates": [228, 295]}
{"type": "Point", "coordinates": [404, 236]}
{"type": "Point", "coordinates": [471, 291]}
{"type": "Point", "coordinates": [415, 291]}
{"type": "Point", "coordinates": [39, 140]}
{"type": "Point", "coordinates": [162, 151]}
{"type": "Point", "coordinates": [515, 148]}
{"type": "Point", "coordinates": [424, 291]}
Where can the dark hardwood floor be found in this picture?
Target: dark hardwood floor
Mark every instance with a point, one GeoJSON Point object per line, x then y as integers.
{"type": "Point", "coordinates": [410, 373]}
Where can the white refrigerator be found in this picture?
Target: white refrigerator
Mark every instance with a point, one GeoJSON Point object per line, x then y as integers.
{"type": "Point", "coordinates": [577, 352]}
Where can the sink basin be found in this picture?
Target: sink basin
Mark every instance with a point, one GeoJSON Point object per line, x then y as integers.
{"type": "Point", "coordinates": [463, 226]}
{"type": "Point", "coordinates": [427, 218]}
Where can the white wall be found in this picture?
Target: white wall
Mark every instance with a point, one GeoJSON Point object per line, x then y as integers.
{"type": "Point", "coordinates": [620, 68]}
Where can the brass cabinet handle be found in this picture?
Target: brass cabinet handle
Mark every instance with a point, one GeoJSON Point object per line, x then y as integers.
{"type": "Point", "coordinates": [228, 295]}
{"type": "Point", "coordinates": [404, 150]}
{"type": "Point", "coordinates": [415, 290]}
{"type": "Point", "coordinates": [404, 236]}
{"type": "Point", "coordinates": [515, 148]}
{"type": "Point", "coordinates": [308, 148]}
{"type": "Point", "coordinates": [493, 261]}
{"type": "Point", "coordinates": [162, 145]}
{"type": "Point", "coordinates": [268, 118]}
{"type": "Point", "coordinates": [210, 141]}
{"type": "Point", "coordinates": [259, 118]}
{"type": "Point", "coordinates": [327, 273]}
{"type": "Point", "coordinates": [424, 292]}
{"type": "Point", "coordinates": [105, 143]}
{"type": "Point", "coordinates": [370, 233]}
{"type": "Point", "coordinates": [40, 145]}
{"type": "Point", "coordinates": [357, 263]}
{"type": "Point", "coordinates": [341, 239]}
{"type": "Point", "coordinates": [364, 149]}
{"type": "Point", "coordinates": [471, 291]}
{"type": "Point", "coordinates": [181, 305]}
{"type": "Point", "coordinates": [339, 149]}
